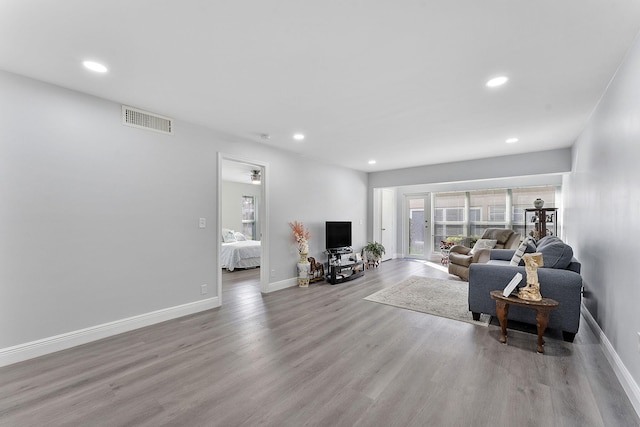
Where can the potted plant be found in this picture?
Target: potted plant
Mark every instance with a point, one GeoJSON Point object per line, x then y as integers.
{"type": "Point", "coordinates": [374, 251]}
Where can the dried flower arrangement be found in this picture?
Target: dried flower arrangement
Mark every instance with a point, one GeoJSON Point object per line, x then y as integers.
{"type": "Point", "coordinates": [301, 236]}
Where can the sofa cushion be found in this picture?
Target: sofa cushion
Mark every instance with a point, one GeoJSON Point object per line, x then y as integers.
{"type": "Point", "coordinates": [500, 262]}
{"type": "Point", "coordinates": [555, 253]}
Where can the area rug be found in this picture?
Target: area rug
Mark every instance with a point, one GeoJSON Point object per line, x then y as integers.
{"type": "Point", "coordinates": [444, 298]}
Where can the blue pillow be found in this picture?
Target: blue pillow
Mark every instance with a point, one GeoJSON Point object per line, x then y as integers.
{"type": "Point", "coordinates": [556, 254]}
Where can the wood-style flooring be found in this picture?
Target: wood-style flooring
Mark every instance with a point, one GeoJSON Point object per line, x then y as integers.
{"type": "Point", "coordinates": [317, 356]}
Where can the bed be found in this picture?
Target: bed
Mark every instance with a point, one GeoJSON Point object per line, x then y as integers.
{"type": "Point", "coordinates": [238, 253]}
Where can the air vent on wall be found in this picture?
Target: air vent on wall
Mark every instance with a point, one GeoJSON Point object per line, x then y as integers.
{"type": "Point", "coordinates": [145, 120]}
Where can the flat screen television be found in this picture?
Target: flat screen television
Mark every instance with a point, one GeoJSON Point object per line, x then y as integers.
{"type": "Point", "coordinates": [338, 234]}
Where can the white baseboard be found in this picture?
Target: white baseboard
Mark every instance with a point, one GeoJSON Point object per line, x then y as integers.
{"type": "Point", "coordinates": [629, 385]}
{"type": "Point", "coordinates": [283, 284]}
{"type": "Point", "coordinates": [55, 343]}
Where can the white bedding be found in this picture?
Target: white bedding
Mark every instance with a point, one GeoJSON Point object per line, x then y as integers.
{"type": "Point", "coordinates": [242, 254]}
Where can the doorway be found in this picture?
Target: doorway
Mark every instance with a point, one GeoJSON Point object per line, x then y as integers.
{"type": "Point", "coordinates": [242, 222]}
{"type": "Point", "coordinates": [417, 237]}
{"type": "Point", "coordinates": [384, 220]}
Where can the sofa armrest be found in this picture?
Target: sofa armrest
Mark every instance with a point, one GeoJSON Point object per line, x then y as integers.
{"type": "Point", "coordinates": [458, 249]}
{"type": "Point", "coordinates": [502, 254]}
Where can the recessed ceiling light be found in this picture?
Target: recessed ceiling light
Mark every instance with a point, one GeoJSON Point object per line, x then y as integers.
{"type": "Point", "coordinates": [372, 162]}
{"type": "Point", "coordinates": [95, 66]}
{"type": "Point", "coordinates": [497, 81]}
{"type": "Point", "coordinates": [298, 137]}
{"type": "Point", "coordinates": [511, 140]}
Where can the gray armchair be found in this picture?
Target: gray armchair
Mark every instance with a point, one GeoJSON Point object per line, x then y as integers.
{"type": "Point", "coordinates": [461, 257]}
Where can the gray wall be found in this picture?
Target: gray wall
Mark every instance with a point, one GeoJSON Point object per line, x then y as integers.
{"type": "Point", "coordinates": [231, 209]}
{"type": "Point", "coordinates": [603, 210]}
{"type": "Point", "coordinates": [536, 163]}
{"type": "Point", "coordinates": [99, 221]}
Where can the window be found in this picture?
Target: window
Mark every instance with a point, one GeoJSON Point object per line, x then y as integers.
{"type": "Point", "coordinates": [469, 213]}
{"type": "Point", "coordinates": [475, 214]}
{"type": "Point", "coordinates": [449, 214]}
{"type": "Point", "coordinates": [449, 209]}
{"type": "Point", "coordinates": [249, 217]}
{"type": "Point", "coordinates": [497, 213]}
{"type": "Point", "coordinates": [416, 226]}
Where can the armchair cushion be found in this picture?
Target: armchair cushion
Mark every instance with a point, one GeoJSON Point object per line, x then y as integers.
{"type": "Point", "coordinates": [503, 236]}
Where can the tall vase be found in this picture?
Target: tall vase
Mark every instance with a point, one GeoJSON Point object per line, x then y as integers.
{"type": "Point", "coordinates": [303, 270]}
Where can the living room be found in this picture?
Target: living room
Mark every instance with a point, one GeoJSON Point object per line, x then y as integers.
{"type": "Point", "coordinates": [100, 221]}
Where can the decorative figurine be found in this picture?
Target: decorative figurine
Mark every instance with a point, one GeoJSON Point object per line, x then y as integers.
{"type": "Point", "coordinates": [531, 292]}
{"type": "Point", "coordinates": [316, 270]}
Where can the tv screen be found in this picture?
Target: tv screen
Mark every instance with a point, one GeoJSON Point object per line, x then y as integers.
{"type": "Point", "coordinates": [338, 234]}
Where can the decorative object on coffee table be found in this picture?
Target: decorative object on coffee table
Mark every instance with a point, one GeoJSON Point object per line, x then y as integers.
{"type": "Point", "coordinates": [542, 307]}
{"type": "Point", "coordinates": [538, 203]}
{"type": "Point", "coordinates": [531, 292]}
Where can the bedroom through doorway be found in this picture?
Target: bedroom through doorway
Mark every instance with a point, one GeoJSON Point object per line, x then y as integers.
{"type": "Point", "coordinates": [241, 229]}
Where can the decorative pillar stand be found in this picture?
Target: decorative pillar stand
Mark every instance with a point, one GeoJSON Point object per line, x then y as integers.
{"type": "Point", "coordinates": [444, 256]}
{"type": "Point", "coordinates": [303, 271]}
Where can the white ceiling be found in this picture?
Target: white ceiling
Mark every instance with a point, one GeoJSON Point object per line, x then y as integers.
{"type": "Point", "coordinates": [399, 81]}
{"type": "Point", "coordinates": [237, 171]}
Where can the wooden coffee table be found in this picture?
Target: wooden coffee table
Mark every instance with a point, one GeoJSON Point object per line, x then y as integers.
{"type": "Point", "coordinates": [542, 307]}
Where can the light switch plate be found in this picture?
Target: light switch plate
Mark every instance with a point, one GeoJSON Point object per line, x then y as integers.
{"type": "Point", "coordinates": [203, 222]}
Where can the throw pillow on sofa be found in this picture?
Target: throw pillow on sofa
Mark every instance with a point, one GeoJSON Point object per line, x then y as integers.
{"type": "Point", "coordinates": [527, 245]}
{"type": "Point", "coordinates": [555, 253]}
{"type": "Point", "coordinates": [484, 244]}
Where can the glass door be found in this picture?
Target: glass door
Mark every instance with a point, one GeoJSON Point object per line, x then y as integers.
{"type": "Point", "coordinates": [417, 226]}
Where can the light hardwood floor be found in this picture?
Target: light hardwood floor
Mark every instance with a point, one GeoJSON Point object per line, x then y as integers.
{"type": "Point", "coordinates": [318, 356]}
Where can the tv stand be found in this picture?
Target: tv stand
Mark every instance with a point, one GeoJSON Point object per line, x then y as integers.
{"type": "Point", "coordinates": [341, 270]}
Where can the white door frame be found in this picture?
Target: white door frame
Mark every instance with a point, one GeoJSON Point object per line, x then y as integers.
{"type": "Point", "coordinates": [263, 219]}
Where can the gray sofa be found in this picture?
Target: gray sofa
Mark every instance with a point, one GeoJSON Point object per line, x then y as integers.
{"type": "Point", "coordinates": [559, 279]}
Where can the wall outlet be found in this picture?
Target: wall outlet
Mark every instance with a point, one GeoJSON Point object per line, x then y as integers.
{"type": "Point", "coordinates": [203, 289]}
{"type": "Point", "coordinates": [202, 223]}
{"type": "Point", "coordinates": [273, 272]}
